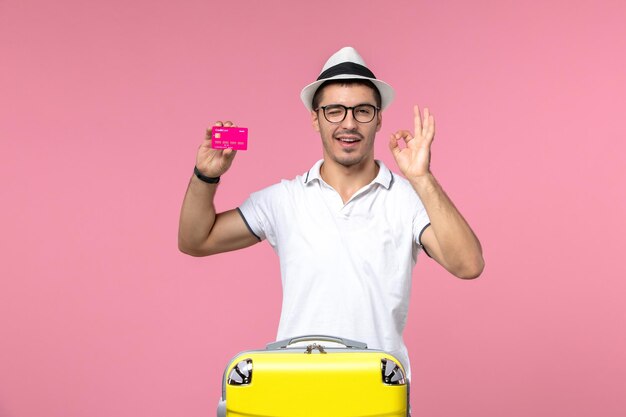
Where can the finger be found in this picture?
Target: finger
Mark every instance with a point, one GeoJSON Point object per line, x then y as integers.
{"type": "Point", "coordinates": [403, 134]}
{"type": "Point", "coordinates": [418, 120]}
{"type": "Point", "coordinates": [393, 143]}
{"type": "Point", "coordinates": [428, 127]}
{"type": "Point", "coordinates": [430, 134]}
{"type": "Point", "coordinates": [206, 143]}
{"type": "Point", "coordinates": [228, 123]}
{"type": "Point", "coordinates": [425, 122]}
{"type": "Point", "coordinates": [394, 147]}
{"type": "Point", "coordinates": [229, 153]}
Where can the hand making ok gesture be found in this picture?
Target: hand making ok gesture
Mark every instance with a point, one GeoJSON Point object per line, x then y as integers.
{"type": "Point", "coordinates": [414, 159]}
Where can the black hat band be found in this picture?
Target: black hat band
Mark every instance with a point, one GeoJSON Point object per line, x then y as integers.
{"type": "Point", "coordinates": [346, 68]}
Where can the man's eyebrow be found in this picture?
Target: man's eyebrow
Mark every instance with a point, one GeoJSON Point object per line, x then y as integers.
{"type": "Point", "coordinates": [356, 105]}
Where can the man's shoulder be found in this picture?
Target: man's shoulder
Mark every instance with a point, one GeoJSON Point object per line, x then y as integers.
{"type": "Point", "coordinates": [401, 191]}
{"type": "Point", "coordinates": [283, 187]}
{"type": "Point", "coordinates": [399, 183]}
{"type": "Point", "coordinates": [299, 181]}
{"type": "Point", "coordinates": [396, 183]}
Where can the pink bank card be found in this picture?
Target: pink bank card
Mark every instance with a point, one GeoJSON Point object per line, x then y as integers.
{"type": "Point", "coordinates": [229, 137]}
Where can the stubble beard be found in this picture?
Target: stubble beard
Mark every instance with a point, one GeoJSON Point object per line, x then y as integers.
{"type": "Point", "coordinates": [347, 157]}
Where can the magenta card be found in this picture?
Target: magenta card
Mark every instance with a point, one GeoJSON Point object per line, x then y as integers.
{"type": "Point", "coordinates": [229, 137]}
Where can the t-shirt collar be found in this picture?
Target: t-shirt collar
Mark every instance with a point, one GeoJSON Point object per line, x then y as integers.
{"type": "Point", "coordinates": [384, 177]}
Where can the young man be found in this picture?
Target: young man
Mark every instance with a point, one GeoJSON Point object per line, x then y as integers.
{"type": "Point", "coordinates": [348, 231]}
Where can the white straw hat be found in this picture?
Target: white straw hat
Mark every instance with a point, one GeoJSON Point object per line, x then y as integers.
{"type": "Point", "coordinates": [346, 64]}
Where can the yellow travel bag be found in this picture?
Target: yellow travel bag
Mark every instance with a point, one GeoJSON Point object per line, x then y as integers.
{"type": "Point", "coordinates": [321, 376]}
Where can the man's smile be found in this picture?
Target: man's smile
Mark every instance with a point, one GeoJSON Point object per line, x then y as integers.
{"type": "Point", "coordinates": [348, 138]}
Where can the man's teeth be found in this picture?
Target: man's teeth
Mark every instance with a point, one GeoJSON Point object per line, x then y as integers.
{"type": "Point", "coordinates": [347, 140]}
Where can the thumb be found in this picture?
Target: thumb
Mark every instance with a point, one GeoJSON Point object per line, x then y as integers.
{"type": "Point", "coordinates": [229, 154]}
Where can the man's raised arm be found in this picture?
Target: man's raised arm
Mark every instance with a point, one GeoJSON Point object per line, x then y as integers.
{"type": "Point", "coordinates": [202, 231]}
{"type": "Point", "coordinates": [449, 240]}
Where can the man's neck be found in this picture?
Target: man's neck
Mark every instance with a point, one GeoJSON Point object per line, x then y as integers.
{"type": "Point", "coordinates": [347, 180]}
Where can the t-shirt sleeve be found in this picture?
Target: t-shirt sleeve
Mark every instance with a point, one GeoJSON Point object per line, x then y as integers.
{"type": "Point", "coordinates": [258, 211]}
{"type": "Point", "coordinates": [420, 221]}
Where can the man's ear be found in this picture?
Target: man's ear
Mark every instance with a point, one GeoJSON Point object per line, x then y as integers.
{"type": "Point", "coordinates": [379, 121]}
{"type": "Point", "coordinates": [315, 122]}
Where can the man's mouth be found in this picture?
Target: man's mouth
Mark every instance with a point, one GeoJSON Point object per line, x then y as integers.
{"type": "Point", "coordinates": [348, 138]}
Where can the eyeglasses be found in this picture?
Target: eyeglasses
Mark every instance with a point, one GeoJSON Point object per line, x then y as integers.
{"type": "Point", "coordinates": [336, 113]}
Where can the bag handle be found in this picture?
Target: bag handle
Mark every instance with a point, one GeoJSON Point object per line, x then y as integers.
{"type": "Point", "coordinates": [282, 344]}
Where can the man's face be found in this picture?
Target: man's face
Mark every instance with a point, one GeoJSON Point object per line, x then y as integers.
{"type": "Point", "coordinates": [349, 142]}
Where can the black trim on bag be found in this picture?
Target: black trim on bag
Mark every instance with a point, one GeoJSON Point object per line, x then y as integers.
{"type": "Point", "coordinates": [346, 68]}
{"type": "Point", "coordinates": [247, 225]}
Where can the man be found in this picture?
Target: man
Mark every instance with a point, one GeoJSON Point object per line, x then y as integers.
{"type": "Point", "coordinates": [348, 231]}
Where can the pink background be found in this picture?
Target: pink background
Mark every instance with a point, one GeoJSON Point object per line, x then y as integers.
{"type": "Point", "coordinates": [104, 104]}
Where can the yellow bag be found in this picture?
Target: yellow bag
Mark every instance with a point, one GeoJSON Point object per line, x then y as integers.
{"type": "Point", "coordinates": [320, 378]}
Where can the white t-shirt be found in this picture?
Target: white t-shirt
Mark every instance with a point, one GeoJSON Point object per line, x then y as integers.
{"type": "Point", "coordinates": [346, 268]}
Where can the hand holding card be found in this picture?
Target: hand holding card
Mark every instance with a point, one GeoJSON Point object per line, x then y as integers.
{"type": "Point", "coordinates": [235, 138]}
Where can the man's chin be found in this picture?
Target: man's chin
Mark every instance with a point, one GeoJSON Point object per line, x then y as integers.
{"type": "Point", "coordinates": [349, 160]}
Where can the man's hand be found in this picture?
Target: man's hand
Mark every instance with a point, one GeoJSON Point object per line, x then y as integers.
{"type": "Point", "coordinates": [214, 162]}
{"type": "Point", "coordinates": [414, 159]}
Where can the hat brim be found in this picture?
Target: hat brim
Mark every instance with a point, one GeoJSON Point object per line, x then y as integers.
{"type": "Point", "coordinates": [387, 93]}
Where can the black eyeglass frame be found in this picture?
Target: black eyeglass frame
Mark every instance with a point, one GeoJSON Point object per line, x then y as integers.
{"type": "Point", "coordinates": [345, 112]}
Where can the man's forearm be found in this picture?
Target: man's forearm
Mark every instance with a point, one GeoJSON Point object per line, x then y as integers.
{"type": "Point", "coordinates": [459, 246]}
{"type": "Point", "coordinates": [197, 215]}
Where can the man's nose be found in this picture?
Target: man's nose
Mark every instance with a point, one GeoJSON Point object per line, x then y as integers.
{"type": "Point", "coordinates": [349, 122]}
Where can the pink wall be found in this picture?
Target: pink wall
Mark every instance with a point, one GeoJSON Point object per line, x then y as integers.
{"type": "Point", "coordinates": [104, 104]}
